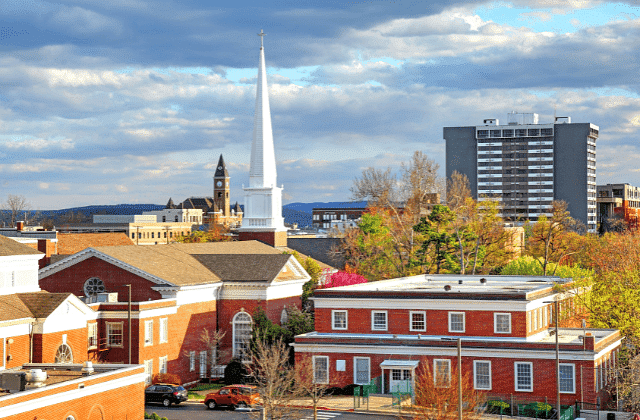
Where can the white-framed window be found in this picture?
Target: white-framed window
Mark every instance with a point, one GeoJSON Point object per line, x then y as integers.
{"type": "Point", "coordinates": [321, 369]}
{"type": "Point", "coordinates": [162, 364]}
{"type": "Point", "coordinates": [379, 320]}
{"type": "Point", "coordinates": [523, 376]}
{"type": "Point", "coordinates": [502, 323]}
{"type": "Point", "coordinates": [482, 374]}
{"type": "Point", "coordinates": [192, 361]}
{"type": "Point", "coordinates": [92, 335]}
{"type": "Point", "coordinates": [339, 320]}
{"type": "Point", "coordinates": [417, 321]}
{"type": "Point", "coordinates": [242, 327]}
{"type": "Point", "coordinates": [148, 333]}
{"type": "Point", "coordinates": [164, 330]}
{"type": "Point", "coordinates": [456, 322]}
{"type": "Point", "coordinates": [361, 370]}
{"type": "Point", "coordinates": [567, 378]}
{"type": "Point", "coordinates": [114, 334]}
{"type": "Point", "coordinates": [441, 372]}
{"type": "Point", "coordinates": [148, 371]}
{"type": "Point", "coordinates": [203, 364]}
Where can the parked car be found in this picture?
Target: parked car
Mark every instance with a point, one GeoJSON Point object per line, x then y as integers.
{"type": "Point", "coordinates": [165, 394]}
{"type": "Point", "coordinates": [236, 396]}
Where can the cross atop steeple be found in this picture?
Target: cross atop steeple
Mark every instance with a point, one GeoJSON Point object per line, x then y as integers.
{"type": "Point", "coordinates": [262, 35]}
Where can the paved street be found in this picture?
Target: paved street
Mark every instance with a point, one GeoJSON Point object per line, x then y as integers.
{"type": "Point", "coordinates": [197, 411]}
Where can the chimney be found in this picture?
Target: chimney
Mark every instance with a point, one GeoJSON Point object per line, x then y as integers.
{"type": "Point", "coordinates": [19, 226]}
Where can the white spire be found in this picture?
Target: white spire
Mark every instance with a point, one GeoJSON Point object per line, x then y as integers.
{"type": "Point", "coordinates": [262, 172]}
{"type": "Point", "coordinates": [263, 199]}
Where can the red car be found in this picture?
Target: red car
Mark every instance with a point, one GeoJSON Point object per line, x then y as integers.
{"type": "Point", "coordinates": [236, 396]}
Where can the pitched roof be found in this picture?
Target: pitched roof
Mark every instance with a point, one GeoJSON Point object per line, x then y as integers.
{"type": "Point", "coordinates": [42, 304]}
{"type": "Point", "coordinates": [178, 264]}
{"type": "Point", "coordinates": [9, 247]}
{"type": "Point", "coordinates": [70, 243]}
{"type": "Point", "coordinates": [244, 267]}
{"type": "Point", "coordinates": [12, 307]}
{"type": "Point", "coordinates": [166, 262]}
{"type": "Point", "coordinates": [221, 170]}
{"type": "Point", "coordinates": [30, 305]}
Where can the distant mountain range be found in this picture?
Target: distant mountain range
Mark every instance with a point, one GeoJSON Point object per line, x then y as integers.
{"type": "Point", "coordinates": [299, 213]}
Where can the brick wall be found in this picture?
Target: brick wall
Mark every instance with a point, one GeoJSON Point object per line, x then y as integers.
{"type": "Point", "coordinates": [45, 346]}
{"type": "Point", "coordinates": [126, 402]}
{"type": "Point", "coordinates": [502, 374]}
{"type": "Point", "coordinates": [477, 323]}
{"type": "Point", "coordinates": [269, 238]}
{"type": "Point", "coordinates": [72, 280]}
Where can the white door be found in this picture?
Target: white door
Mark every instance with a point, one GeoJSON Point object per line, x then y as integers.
{"type": "Point", "coordinates": [400, 380]}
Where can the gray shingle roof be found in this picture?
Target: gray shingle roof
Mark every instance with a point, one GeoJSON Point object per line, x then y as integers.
{"type": "Point", "coordinates": [9, 247]}
{"type": "Point", "coordinates": [244, 267]}
{"type": "Point", "coordinates": [179, 265]}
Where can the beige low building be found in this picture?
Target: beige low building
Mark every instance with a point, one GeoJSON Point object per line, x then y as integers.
{"type": "Point", "coordinates": [157, 233]}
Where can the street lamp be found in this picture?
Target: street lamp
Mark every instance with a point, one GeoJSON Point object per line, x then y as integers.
{"type": "Point", "coordinates": [555, 313]}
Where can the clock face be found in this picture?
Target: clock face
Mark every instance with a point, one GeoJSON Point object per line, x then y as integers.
{"type": "Point", "coordinates": [219, 183]}
{"type": "Point", "coordinates": [220, 167]}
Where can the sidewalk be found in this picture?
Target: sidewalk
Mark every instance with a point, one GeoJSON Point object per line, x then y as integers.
{"type": "Point", "coordinates": [378, 404]}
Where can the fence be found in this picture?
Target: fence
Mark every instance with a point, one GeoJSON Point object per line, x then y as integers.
{"type": "Point", "coordinates": [363, 391]}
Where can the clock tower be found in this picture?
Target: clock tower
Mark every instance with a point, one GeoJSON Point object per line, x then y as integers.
{"type": "Point", "coordinates": [221, 188]}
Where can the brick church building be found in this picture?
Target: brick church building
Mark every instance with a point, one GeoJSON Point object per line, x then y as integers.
{"type": "Point", "coordinates": [177, 291]}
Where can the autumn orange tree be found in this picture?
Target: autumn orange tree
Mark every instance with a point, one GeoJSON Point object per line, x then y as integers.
{"type": "Point", "coordinates": [437, 396]}
{"type": "Point", "coordinates": [216, 233]}
{"type": "Point", "coordinates": [614, 298]}
{"type": "Point", "coordinates": [554, 238]}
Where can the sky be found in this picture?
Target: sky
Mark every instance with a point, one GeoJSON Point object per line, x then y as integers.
{"type": "Point", "coordinates": [133, 101]}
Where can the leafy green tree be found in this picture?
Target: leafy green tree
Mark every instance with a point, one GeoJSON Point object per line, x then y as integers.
{"type": "Point", "coordinates": [529, 266]}
{"type": "Point", "coordinates": [438, 243]}
{"type": "Point", "coordinates": [314, 270]}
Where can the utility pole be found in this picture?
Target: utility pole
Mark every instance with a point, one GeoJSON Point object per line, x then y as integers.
{"type": "Point", "coordinates": [129, 321]}
{"type": "Point", "coordinates": [459, 378]}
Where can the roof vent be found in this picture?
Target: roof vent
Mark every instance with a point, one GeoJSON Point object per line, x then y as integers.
{"type": "Point", "coordinates": [459, 281]}
{"type": "Point", "coordinates": [447, 287]}
{"type": "Point", "coordinates": [483, 280]}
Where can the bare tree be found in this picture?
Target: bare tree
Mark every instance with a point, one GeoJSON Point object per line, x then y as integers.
{"type": "Point", "coordinates": [275, 378]}
{"type": "Point", "coordinates": [420, 183]}
{"type": "Point", "coordinates": [458, 190]}
{"type": "Point", "coordinates": [376, 186]}
{"type": "Point", "coordinates": [209, 341]}
{"type": "Point", "coordinates": [17, 206]}
{"type": "Point", "coordinates": [438, 396]}
{"type": "Point", "coordinates": [550, 238]}
{"type": "Point", "coordinates": [309, 385]}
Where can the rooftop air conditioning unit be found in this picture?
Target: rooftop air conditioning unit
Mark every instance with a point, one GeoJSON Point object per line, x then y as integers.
{"type": "Point", "coordinates": [107, 297]}
{"type": "Point", "coordinates": [14, 381]}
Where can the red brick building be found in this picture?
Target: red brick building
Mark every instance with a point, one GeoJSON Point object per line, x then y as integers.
{"type": "Point", "coordinates": [66, 391]}
{"type": "Point", "coordinates": [388, 330]}
{"type": "Point", "coordinates": [37, 326]}
{"type": "Point", "coordinates": [177, 291]}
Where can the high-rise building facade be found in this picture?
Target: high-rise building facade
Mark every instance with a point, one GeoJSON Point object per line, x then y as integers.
{"type": "Point", "coordinates": [527, 165]}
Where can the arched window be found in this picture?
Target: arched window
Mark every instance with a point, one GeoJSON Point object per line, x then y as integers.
{"type": "Point", "coordinates": [64, 354]}
{"type": "Point", "coordinates": [242, 335]}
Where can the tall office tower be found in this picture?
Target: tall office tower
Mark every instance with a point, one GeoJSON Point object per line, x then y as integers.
{"type": "Point", "coordinates": [527, 165]}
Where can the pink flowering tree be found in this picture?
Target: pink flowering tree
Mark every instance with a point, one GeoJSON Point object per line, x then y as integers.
{"type": "Point", "coordinates": [342, 278]}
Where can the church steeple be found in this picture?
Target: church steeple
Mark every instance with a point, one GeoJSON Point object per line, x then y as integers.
{"type": "Point", "coordinates": [262, 219]}
{"type": "Point", "coordinates": [263, 160]}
